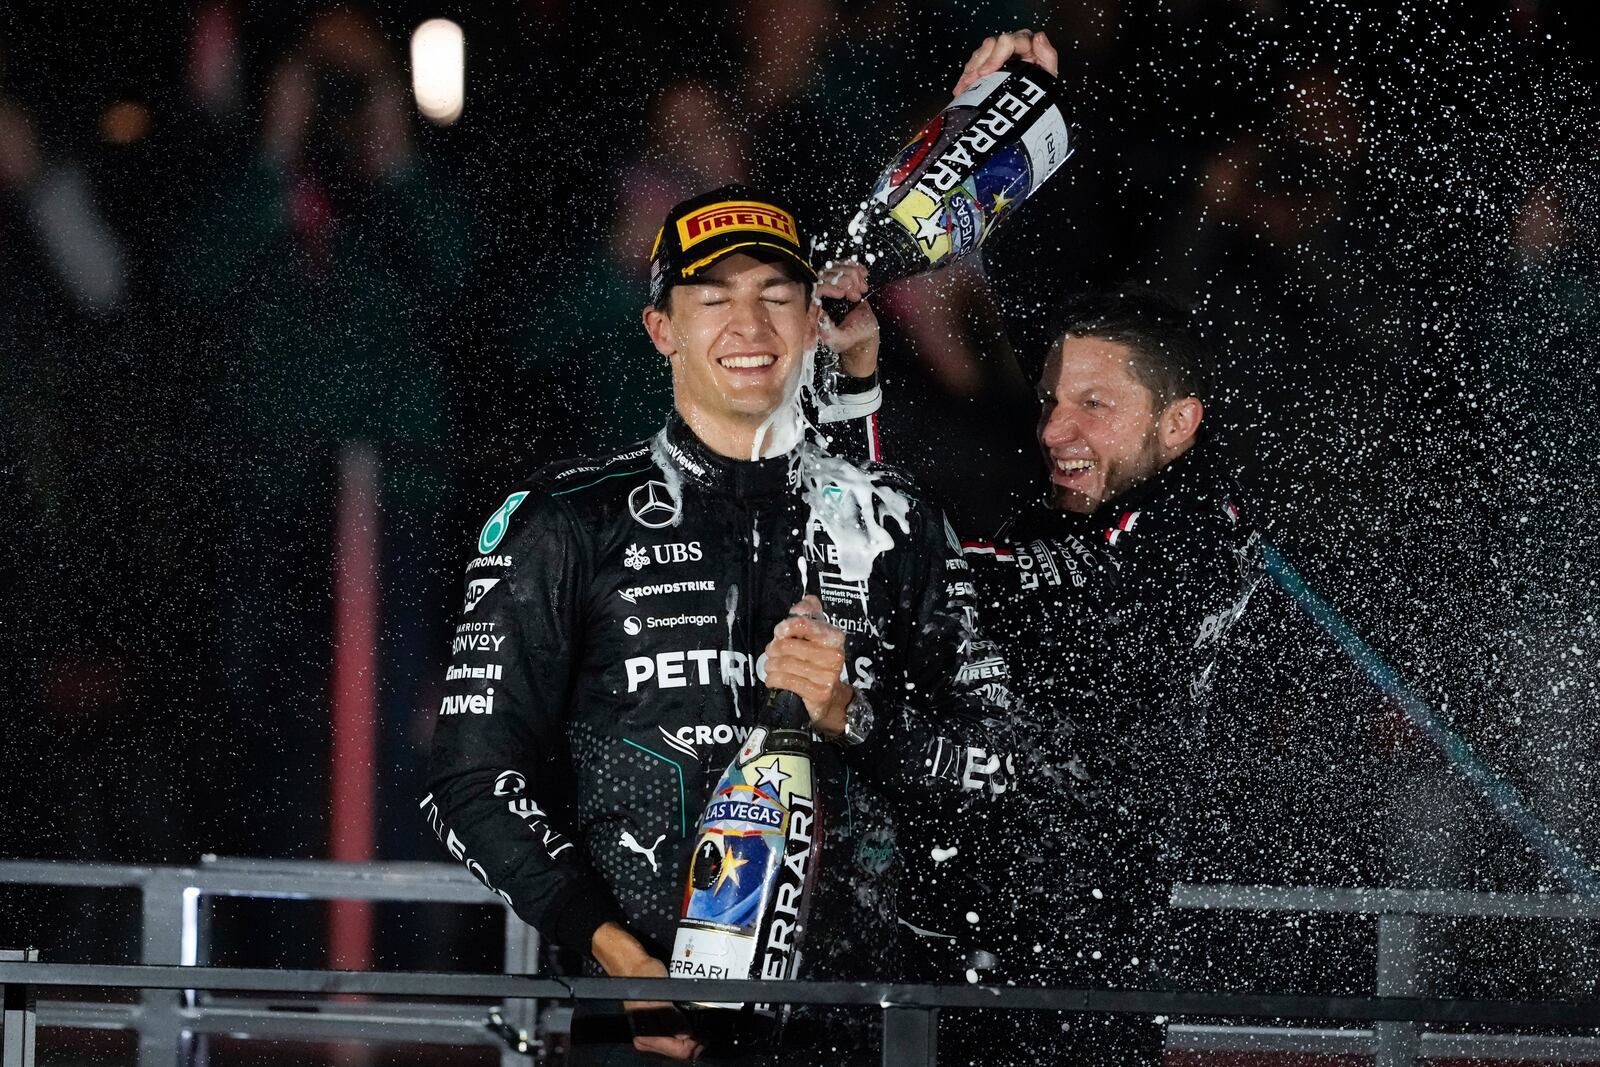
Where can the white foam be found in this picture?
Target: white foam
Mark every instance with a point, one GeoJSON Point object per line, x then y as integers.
{"type": "Point", "coordinates": [780, 431]}
{"type": "Point", "coordinates": [733, 609]}
{"type": "Point", "coordinates": [670, 474]}
{"type": "Point", "coordinates": [844, 500]}
{"type": "Point", "coordinates": [851, 506]}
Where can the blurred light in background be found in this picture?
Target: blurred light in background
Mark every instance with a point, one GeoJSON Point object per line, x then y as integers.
{"type": "Point", "coordinates": [438, 70]}
{"type": "Point", "coordinates": [216, 77]}
{"type": "Point", "coordinates": [125, 122]}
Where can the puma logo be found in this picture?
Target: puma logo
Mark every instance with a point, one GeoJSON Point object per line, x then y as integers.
{"type": "Point", "coordinates": [633, 845]}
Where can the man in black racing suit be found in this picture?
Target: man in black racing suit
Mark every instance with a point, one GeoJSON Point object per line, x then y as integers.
{"type": "Point", "coordinates": [1109, 600]}
{"type": "Point", "coordinates": [609, 660]}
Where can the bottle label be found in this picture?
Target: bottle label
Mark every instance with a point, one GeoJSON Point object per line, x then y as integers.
{"type": "Point", "coordinates": [979, 157]}
{"type": "Point", "coordinates": [965, 172]}
{"type": "Point", "coordinates": [744, 905]}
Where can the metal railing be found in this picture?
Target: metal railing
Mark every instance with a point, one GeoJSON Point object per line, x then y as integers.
{"type": "Point", "coordinates": [1399, 915]}
{"type": "Point", "coordinates": [171, 1011]}
{"type": "Point", "coordinates": [173, 931]}
{"type": "Point", "coordinates": [909, 1011]}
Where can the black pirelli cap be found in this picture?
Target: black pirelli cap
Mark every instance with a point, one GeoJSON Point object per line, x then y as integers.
{"type": "Point", "coordinates": [701, 230]}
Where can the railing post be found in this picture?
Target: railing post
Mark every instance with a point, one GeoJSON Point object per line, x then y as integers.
{"type": "Point", "coordinates": [522, 957]}
{"type": "Point", "coordinates": [161, 941]}
{"type": "Point", "coordinates": [1397, 1043]}
{"type": "Point", "coordinates": [910, 1036]}
{"type": "Point", "coordinates": [20, 1022]}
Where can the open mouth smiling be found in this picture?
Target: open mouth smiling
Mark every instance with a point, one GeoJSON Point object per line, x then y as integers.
{"type": "Point", "coordinates": [747, 361]}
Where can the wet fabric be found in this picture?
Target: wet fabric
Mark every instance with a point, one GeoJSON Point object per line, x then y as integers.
{"type": "Point", "coordinates": [608, 665]}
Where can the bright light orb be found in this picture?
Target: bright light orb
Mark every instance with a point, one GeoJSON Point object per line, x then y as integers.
{"type": "Point", "coordinates": [438, 70]}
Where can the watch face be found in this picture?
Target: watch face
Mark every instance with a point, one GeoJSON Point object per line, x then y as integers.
{"type": "Point", "coordinates": [857, 720]}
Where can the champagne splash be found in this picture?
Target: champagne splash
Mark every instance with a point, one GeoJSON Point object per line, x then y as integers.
{"type": "Point", "coordinates": [847, 502]}
{"type": "Point", "coordinates": [851, 505]}
{"type": "Point", "coordinates": [670, 474]}
{"type": "Point", "coordinates": [780, 431]}
{"type": "Point", "coordinates": [732, 605]}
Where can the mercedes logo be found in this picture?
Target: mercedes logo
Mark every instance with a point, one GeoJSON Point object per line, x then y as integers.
{"type": "Point", "coordinates": [653, 506]}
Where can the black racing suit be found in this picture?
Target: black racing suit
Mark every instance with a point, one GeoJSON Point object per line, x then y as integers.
{"type": "Point", "coordinates": [1118, 619]}
{"type": "Point", "coordinates": [608, 665]}
{"type": "Point", "coordinates": [1111, 625]}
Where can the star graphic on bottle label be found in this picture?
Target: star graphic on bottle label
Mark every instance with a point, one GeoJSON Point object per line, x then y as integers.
{"type": "Point", "coordinates": [773, 776]}
{"type": "Point", "coordinates": [731, 862]}
{"type": "Point", "coordinates": [1001, 201]}
{"type": "Point", "coordinates": [929, 228]}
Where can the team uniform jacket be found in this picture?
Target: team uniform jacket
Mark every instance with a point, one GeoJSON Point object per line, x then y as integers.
{"type": "Point", "coordinates": [608, 664]}
{"type": "Point", "coordinates": [1115, 622]}
{"type": "Point", "coordinates": [1111, 625]}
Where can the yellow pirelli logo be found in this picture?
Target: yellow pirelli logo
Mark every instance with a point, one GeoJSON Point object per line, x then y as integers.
{"type": "Point", "coordinates": [736, 215]}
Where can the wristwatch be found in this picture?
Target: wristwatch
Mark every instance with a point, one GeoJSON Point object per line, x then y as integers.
{"type": "Point", "coordinates": [857, 720]}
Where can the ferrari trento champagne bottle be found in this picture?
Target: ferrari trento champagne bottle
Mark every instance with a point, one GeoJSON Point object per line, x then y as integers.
{"type": "Point", "coordinates": [967, 171]}
{"type": "Point", "coordinates": [755, 857]}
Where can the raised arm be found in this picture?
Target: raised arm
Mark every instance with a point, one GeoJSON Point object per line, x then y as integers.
{"type": "Point", "coordinates": [943, 714]}
{"type": "Point", "coordinates": [848, 412]}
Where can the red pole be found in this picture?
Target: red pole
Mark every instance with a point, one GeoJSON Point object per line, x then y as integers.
{"type": "Point", "coordinates": [353, 772]}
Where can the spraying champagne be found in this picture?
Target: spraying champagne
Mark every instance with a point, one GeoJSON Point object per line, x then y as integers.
{"type": "Point", "coordinates": [970, 168]}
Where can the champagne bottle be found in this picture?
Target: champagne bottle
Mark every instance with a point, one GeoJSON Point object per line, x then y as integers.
{"type": "Point", "coordinates": [755, 859]}
{"type": "Point", "coordinates": [967, 171]}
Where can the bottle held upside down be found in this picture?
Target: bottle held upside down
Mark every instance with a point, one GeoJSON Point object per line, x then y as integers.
{"type": "Point", "coordinates": [960, 177]}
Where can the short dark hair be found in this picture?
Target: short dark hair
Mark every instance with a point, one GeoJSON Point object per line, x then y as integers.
{"type": "Point", "coordinates": [1170, 353]}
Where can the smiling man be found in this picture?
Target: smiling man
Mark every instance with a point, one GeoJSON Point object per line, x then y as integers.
{"type": "Point", "coordinates": [1111, 416]}
{"type": "Point", "coordinates": [625, 615]}
{"type": "Point", "coordinates": [1115, 591]}
{"type": "Point", "coordinates": [1109, 599]}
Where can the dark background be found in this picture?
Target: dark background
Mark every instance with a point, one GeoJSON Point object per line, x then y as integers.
{"type": "Point", "coordinates": [1385, 219]}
